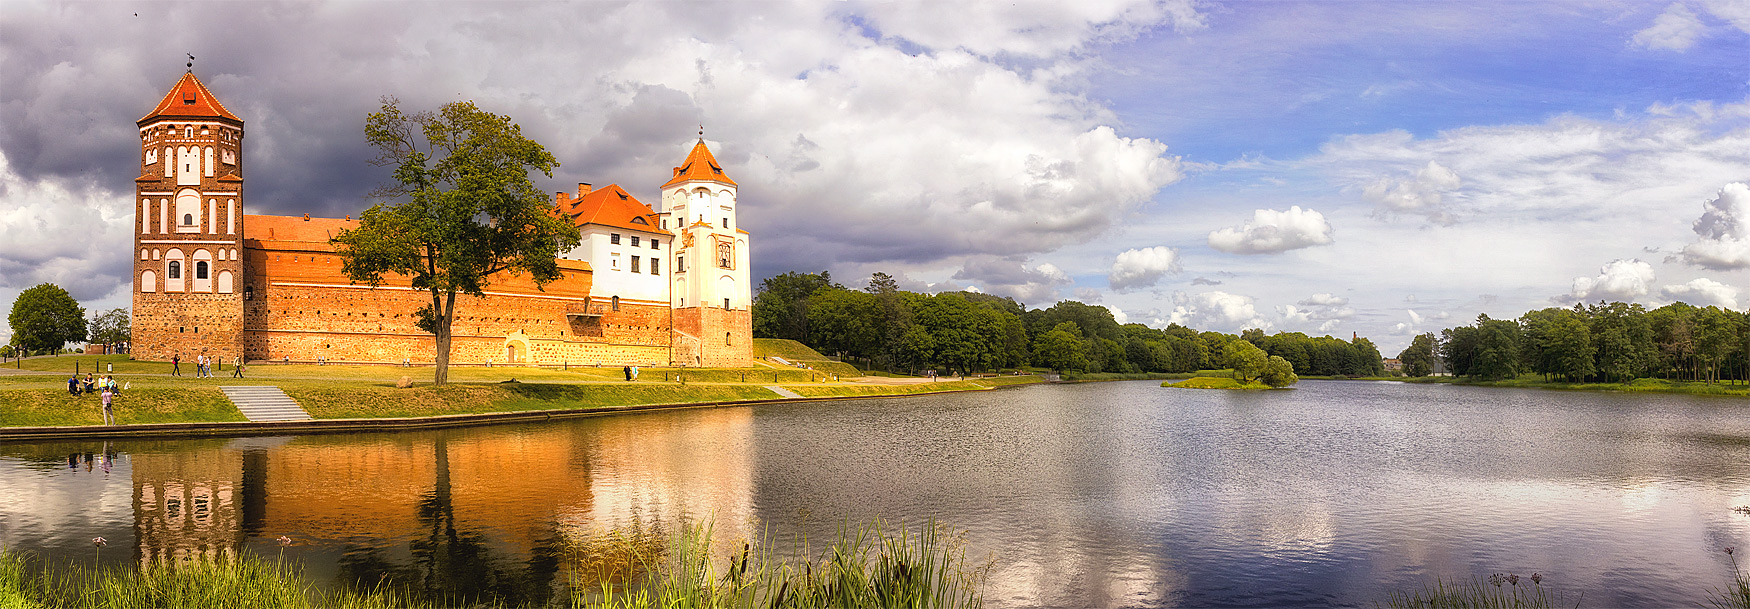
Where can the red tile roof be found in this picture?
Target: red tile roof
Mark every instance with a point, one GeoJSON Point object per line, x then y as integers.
{"type": "Point", "coordinates": [611, 206]}
{"type": "Point", "coordinates": [189, 98]}
{"type": "Point", "coordinates": [293, 228]}
{"type": "Point", "coordinates": [700, 165]}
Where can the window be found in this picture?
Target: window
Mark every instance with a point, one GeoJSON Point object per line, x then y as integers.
{"type": "Point", "coordinates": [616, 303]}
{"type": "Point", "coordinates": [655, 244]}
{"type": "Point", "coordinates": [653, 262]}
{"type": "Point", "coordinates": [188, 131]}
{"type": "Point", "coordinates": [680, 265]}
{"type": "Point", "coordinates": [726, 339]}
{"type": "Point", "coordinates": [726, 304]}
{"type": "Point", "coordinates": [726, 223]}
{"type": "Point", "coordinates": [725, 255]}
{"type": "Point", "coordinates": [614, 238]}
{"type": "Point", "coordinates": [634, 240]}
{"type": "Point", "coordinates": [200, 270]}
{"type": "Point", "coordinates": [634, 262]}
{"type": "Point", "coordinates": [188, 219]}
{"type": "Point", "coordinates": [174, 271]}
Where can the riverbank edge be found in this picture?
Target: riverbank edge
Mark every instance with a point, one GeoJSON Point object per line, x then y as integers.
{"type": "Point", "coordinates": [325, 426]}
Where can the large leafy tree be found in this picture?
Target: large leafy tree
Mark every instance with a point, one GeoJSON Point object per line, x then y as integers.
{"type": "Point", "coordinates": [780, 309]}
{"type": "Point", "coordinates": [460, 212]}
{"type": "Point", "coordinates": [1061, 348]}
{"type": "Point", "coordinates": [1418, 358]}
{"type": "Point", "coordinates": [46, 317]}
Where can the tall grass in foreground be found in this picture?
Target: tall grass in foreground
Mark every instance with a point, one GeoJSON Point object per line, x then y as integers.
{"type": "Point", "coordinates": [244, 581]}
{"type": "Point", "coordinates": [868, 566]}
{"type": "Point", "coordinates": [1736, 595]}
{"type": "Point", "coordinates": [1498, 591]}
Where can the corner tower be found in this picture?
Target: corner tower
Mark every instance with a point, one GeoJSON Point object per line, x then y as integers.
{"type": "Point", "coordinates": [711, 293]}
{"type": "Point", "coordinates": [188, 227]}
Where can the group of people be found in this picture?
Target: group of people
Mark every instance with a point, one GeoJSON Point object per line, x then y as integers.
{"type": "Point", "coordinates": [631, 372]}
{"type": "Point", "coordinates": [203, 366]}
{"type": "Point", "coordinates": [105, 386]}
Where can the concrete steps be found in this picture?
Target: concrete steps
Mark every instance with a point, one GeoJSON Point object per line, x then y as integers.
{"type": "Point", "coordinates": [265, 403]}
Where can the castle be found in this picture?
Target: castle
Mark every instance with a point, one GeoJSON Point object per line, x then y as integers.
{"type": "Point", "coordinates": [644, 287]}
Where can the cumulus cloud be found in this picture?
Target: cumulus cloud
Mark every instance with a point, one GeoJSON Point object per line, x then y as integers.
{"type": "Point", "coordinates": [1676, 29]}
{"type": "Point", "coordinates": [1271, 231]}
{"type": "Point", "coordinates": [1618, 280]}
{"type": "Point", "coordinates": [1420, 193]}
{"type": "Point", "coordinates": [1702, 292]}
{"type": "Point", "coordinates": [838, 120]}
{"type": "Point", "coordinates": [70, 232]}
{"type": "Point", "coordinates": [1724, 231]}
{"type": "Point", "coordinates": [1324, 310]}
{"type": "Point", "coordinates": [1012, 277]}
{"type": "Point", "coordinates": [1216, 310]}
{"type": "Point", "coordinates": [1141, 268]}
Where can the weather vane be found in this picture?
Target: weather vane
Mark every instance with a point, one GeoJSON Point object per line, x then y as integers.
{"type": "Point", "coordinates": [191, 62]}
{"type": "Point", "coordinates": [701, 131]}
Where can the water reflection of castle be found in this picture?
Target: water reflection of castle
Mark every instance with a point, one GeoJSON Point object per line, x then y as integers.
{"type": "Point", "coordinates": [518, 490]}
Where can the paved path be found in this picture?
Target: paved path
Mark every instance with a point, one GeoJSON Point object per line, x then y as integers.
{"type": "Point", "coordinates": [783, 392]}
{"type": "Point", "coordinates": [265, 403]}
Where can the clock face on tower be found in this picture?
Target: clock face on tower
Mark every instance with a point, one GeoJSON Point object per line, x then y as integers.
{"type": "Point", "coordinates": [725, 255]}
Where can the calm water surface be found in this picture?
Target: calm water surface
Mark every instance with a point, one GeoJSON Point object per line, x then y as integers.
{"type": "Point", "coordinates": [1101, 495]}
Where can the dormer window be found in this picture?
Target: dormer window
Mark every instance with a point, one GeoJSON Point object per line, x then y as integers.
{"type": "Point", "coordinates": [639, 220]}
{"type": "Point", "coordinates": [188, 98]}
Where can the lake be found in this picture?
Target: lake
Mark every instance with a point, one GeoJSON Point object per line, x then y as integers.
{"type": "Point", "coordinates": [1118, 494]}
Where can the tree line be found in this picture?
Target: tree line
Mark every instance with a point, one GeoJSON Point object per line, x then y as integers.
{"type": "Point", "coordinates": [45, 318]}
{"type": "Point", "coordinates": [969, 332]}
{"type": "Point", "coordinates": [1610, 342]}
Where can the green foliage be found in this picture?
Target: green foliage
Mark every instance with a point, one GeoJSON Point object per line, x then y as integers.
{"type": "Point", "coordinates": [1061, 348]}
{"type": "Point", "coordinates": [781, 306]}
{"type": "Point", "coordinates": [1418, 358]}
{"type": "Point", "coordinates": [46, 317]}
{"type": "Point", "coordinates": [1278, 373]}
{"type": "Point", "coordinates": [1604, 343]}
{"type": "Point", "coordinates": [1204, 382]}
{"type": "Point", "coordinates": [460, 211]}
{"type": "Point", "coordinates": [110, 327]}
{"type": "Point", "coordinates": [1248, 361]}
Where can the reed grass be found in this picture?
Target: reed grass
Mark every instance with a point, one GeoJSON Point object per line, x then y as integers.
{"type": "Point", "coordinates": [1736, 595]}
{"type": "Point", "coordinates": [1498, 591]}
{"type": "Point", "coordinates": [241, 581]}
{"type": "Point", "coordinates": [868, 566]}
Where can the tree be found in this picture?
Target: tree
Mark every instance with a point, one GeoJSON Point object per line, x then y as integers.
{"type": "Point", "coordinates": [1497, 349]}
{"type": "Point", "coordinates": [46, 317]}
{"type": "Point", "coordinates": [780, 309]}
{"type": "Point", "coordinates": [110, 328]}
{"type": "Point", "coordinates": [460, 211]}
{"type": "Point", "coordinates": [1418, 358]}
{"type": "Point", "coordinates": [1247, 360]}
{"type": "Point", "coordinates": [1278, 372]}
{"type": "Point", "coordinates": [1061, 348]}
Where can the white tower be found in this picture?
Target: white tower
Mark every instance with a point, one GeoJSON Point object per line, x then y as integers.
{"type": "Point", "coordinates": [712, 293]}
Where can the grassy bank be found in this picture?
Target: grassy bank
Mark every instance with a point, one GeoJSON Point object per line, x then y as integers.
{"type": "Point", "coordinates": [359, 391]}
{"type": "Point", "coordinates": [874, 565]}
{"type": "Point", "coordinates": [1211, 382]}
{"type": "Point", "coordinates": [1532, 381]}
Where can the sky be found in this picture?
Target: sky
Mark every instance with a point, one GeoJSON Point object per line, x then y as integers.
{"type": "Point", "coordinates": [1328, 167]}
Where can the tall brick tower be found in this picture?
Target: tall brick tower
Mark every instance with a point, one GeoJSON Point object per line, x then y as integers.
{"type": "Point", "coordinates": [711, 295]}
{"type": "Point", "coordinates": [188, 238]}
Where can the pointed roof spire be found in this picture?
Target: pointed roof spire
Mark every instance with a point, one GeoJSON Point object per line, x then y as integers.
{"type": "Point", "coordinates": [700, 165]}
{"type": "Point", "coordinates": [189, 98]}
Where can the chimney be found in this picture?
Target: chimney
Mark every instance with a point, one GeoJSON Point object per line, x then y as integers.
{"type": "Point", "coordinates": [583, 188]}
{"type": "Point", "coordinates": [561, 198]}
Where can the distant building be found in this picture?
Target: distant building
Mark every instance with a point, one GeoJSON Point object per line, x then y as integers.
{"type": "Point", "coordinates": [1394, 366]}
{"type": "Point", "coordinates": [645, 287]}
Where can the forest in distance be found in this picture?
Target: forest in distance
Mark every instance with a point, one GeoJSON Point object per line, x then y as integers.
{"type": "Point", "coordinates": [888, 328]}
{"type": "Point", "coordinates": [893, 329]}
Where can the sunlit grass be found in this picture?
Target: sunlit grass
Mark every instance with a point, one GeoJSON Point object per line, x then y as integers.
{"type": "Point", "coordinates": [868, 566]}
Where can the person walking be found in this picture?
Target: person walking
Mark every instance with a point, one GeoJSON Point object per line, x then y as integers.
{"type": "Point", "coordinates": [237, 366]}
{"type": "Point", "coordinates": [628, 371]}
{"type": "Point", "coordinates": [176, 365]}
{"type": "Point", "coordinates": [108, 414]}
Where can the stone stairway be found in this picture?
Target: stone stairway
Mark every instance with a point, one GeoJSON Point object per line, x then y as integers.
{"type": "Point", "coordinates": [265, 403]}
{"type": "Point", "coordinates": [783, 392]}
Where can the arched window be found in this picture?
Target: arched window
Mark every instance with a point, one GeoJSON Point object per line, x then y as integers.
{"type": "Point", "coordinates": [173, 270]}
{"type": "Point", "coordinates": [148, 281]}
{"type": "Point", "coordinates": [188, 219]}
{"type": "Point", "coordinates": [726, 339]}
{"type": "Point", "coordinates": [188, 132]}
{"type": "Point", "coordinates": [188, 211]}
{"type": "Point", "coordinates": [200, 270]}
{"type": "Point", "coordinates": [173, 279]}
{"type": "Point", "coordinates": [616, 303]}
